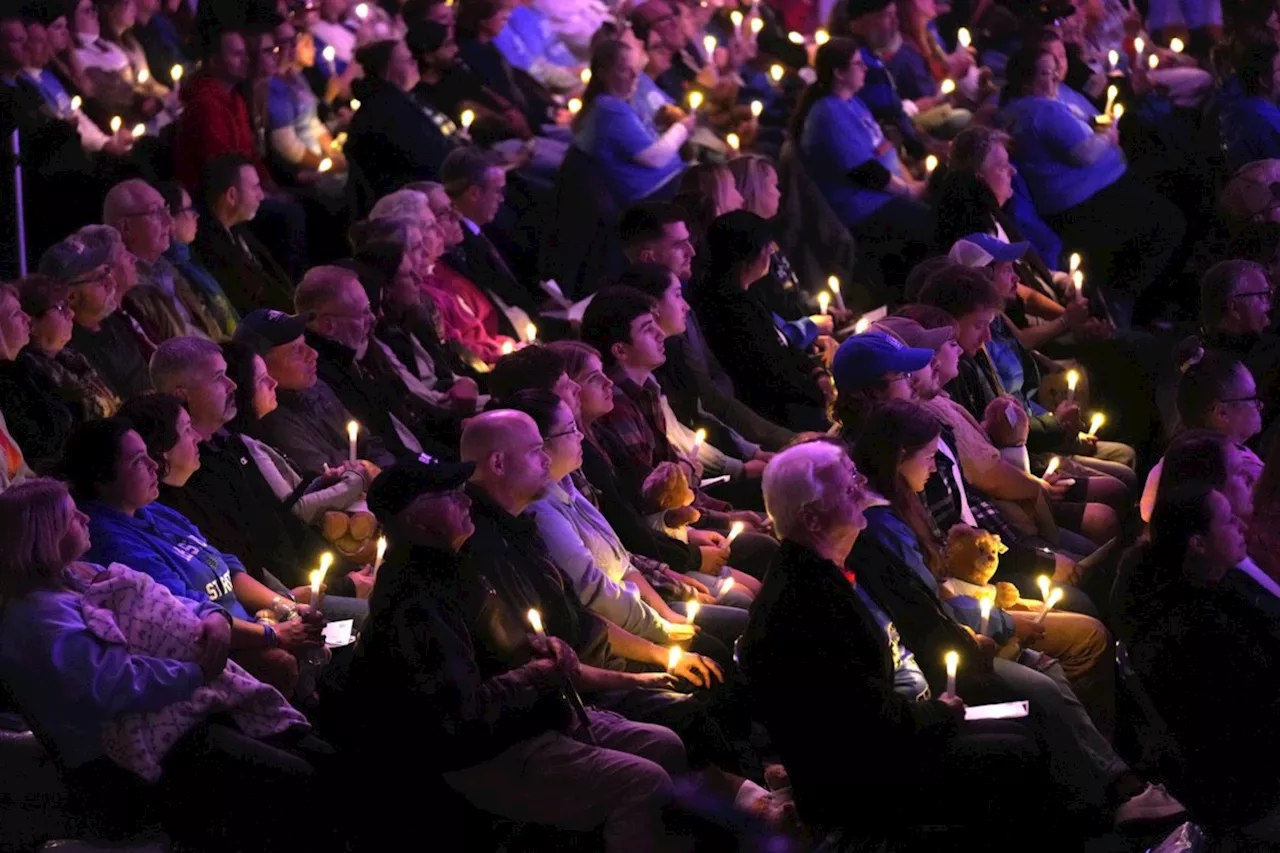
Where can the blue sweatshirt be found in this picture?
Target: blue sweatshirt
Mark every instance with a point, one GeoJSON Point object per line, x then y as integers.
{"type": "Point", "coordinates": [69, 682]}
{"type": "Point", "coordinates": [163, 544]}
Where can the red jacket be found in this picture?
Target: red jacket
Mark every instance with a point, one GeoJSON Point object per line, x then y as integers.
{"type": "Point", "coordinates": [215, 121]}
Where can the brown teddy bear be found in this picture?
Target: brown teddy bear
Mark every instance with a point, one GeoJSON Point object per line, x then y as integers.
{"type": "Point", "coordinates": [352, 533]}
{"type": "Point", "coordinates": [667, 500]}
{"type": "Point", "coordinates": [972, 557]}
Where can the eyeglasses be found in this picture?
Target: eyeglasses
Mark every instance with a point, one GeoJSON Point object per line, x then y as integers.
{"type": "Point", "coordinates": [181, 211]}
{"type": "Point", "coordinates": [158, 213]}
{"type": "Point", "coordinates": [1255, 400]}
{"type": "Point", "coordinates": [98, 276]}
{"type": "Point", "coordinates": [1249, 293]}
{"type": "Point", "coordinates": [571, 431]}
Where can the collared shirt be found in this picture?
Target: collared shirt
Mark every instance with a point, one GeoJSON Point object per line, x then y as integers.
{"type": "Point", "coordinates": [632, 434]}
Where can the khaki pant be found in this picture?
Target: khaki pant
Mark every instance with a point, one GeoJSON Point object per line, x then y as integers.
{"type": "Point", "coordinates": [555, 779]}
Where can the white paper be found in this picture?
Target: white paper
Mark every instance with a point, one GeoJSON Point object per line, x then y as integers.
{"type": "Point", "coordinates": [1000, 711]}
{"type": "Point", "coordinates": [338, 633]}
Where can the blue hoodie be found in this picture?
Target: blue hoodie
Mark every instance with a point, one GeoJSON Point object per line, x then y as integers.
{"type": "Point", "coordinates": [163, 544]}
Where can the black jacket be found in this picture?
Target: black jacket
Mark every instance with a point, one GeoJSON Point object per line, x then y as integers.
{"type": "Point", "coordinates": [310, 427]}
{"type": "Point", "coordinates": [39, 419]}
{"type": "Point", "coordinates": [817, 663]}
{"type": "Point", "coordinates": [477, 258]}
{"type": "Point", "coordinates": [236, 510]}
{"type": "Point", "coordinates": [394, 139]}
{"type": "Point", "coordinates": [372, 393]}
{"type": "Point", "coordinates": [253, 280]}
{"type": "Point", "coordinates": [428, 682]}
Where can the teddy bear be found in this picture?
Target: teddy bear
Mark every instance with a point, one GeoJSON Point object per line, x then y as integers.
{"type": "Point", "coordinates": [668, 499]}
{"type": "Point", "coordinates": [971, 559]}
{"type": "Point", "coordinates": [352, 533]}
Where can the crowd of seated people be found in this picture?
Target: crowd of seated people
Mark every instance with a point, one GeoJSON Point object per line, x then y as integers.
{"type": "Point", "coordinates": [309, 469]}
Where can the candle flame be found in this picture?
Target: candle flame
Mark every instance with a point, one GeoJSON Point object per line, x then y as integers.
{"type": "Point", "coordinates": [382, 548]}
{"type": "Point", "coordinates": [575, 105]}
{"type": "Point", "coordinates": [930, 163]}
{"type": "Point", "coordinates": [1139, 45]}
{"type": "Point", "coordinates": [736, 530]}
{"type": "Point", "coordinates": [757, 107]}
{"type": "Point", "coordinates": [1096, 422]}
{"type": "Point", "coordinates": [139, 131]}
{"type": "Point", "coordinates": [861, 326]}
{"type": "Point", "coordinates": [795, 38]}
{"type": "Point", "coordinates": [143, 75]}
{"type": "Point", "coordinates": [775, 72]}
{"type": "Point", "coordinates": [325, 165]}
{"type": "Point", "coordinates": [176, 72]}
{"type": "Point", "coordinates": [695, 99]}
{"type": "Point", "coordinates": [1113, 58]}
{"type": "Point", "coordinates": [728, 585]}
{"type": "Point", "coordinates": [691, 610]}
{"type": "Point", "coordinates": [326, 561]}
{"type": "Point", "coordinates": [709, 45]}
{"type": "Point", "coordinates": [329, 54]}
{"type": "Point", "coordinates": [1153, 62]}
{"type": "Point", "coordinates": [963, 37]}
{"type": "Point", "coordinates": [952, 659]}
{"type": "Point", "coordinates": [984, 607]}
{"type": "Point", "coordinates": [116, 121]}
{"type": "Point", "coordinates": [824, 301]}
{"type": "Point", "coordinates": [317, 580]}
{"type": "Point", "coordinates": [833, 282]}
{"type": "Point", "coordinates": [353, 430]}
{"type": "Point", "coordinates": [757, 24]}
{"type": "Point", "coordinates": [699, 436]}
{"type": "Point", "coordinates": [736, 17]}
{"type": "Point", "coordinates": [1074, 263]}
{"type": "Point", "coordinates": [1077, 279]}
{"type": "Point", "coordinates": [468, 116]}
{"type": "Point", "coordinates": [508, 347]}
{"type": "Point", "coordinates": [1073, 379]}
{"type": "Point", "coordinates": [585, 76]}
{"type": "Point", "coordinates": [530, 332]}
{"type": "Point", "coordinates": [535, 620]}
{"type": "Point", "coordinates": [948, 86]}
{"type": "Point", "coordinates": [673, 657]}
{"type": "Point", "coordinates": [821, 37]}
{"type": "Point", "coordinates": [355, 104]}
{"type": "Point", "coordinates": [734, 142]}
{"type": "Point", "coordinates": [1054, 598]}
{"type": "Point", "coordinates": [1052, 467]}
{"type": "Point", "coordinates": [362, 11]}
{"type": "Point", "coordinates": [75, 103]}
{"type": "Point", "coordinates": [1044, 583]}
{"type": "Point", "coordinates": [1176, 45]}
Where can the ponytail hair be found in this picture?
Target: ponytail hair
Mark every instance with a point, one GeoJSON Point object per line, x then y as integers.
{"type": "Point", "coordinates": [833, 56]}
{"type": "Point", "coordinates": [604, 58]}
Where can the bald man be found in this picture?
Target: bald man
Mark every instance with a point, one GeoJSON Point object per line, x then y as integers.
{"type": "Point", "coordinates": [512, 470]}
{"type": "Point", "coordinates": [164, 302]}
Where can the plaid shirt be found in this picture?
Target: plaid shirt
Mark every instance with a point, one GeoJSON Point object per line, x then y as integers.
{"type": "Point", "coordinates": [941, 498]}
{"type": "Point", "coordinates": [633, 434]}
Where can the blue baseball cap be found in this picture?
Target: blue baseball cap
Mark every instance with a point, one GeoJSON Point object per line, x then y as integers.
{"type": "Point", "coordinates": [982, 250]}
{"type": "Point", "coordinates": [864, 359]}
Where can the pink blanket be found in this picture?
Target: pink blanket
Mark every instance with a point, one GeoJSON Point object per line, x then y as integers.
{"type": "Point", "coordinates": [128, 608]}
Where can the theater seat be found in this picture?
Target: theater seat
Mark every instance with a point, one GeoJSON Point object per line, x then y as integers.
{"type": "Point", "coordinates": [581, 248]}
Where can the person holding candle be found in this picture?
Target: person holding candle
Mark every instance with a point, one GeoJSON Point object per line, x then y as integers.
{"type": "Point", "coordinates": [115, 482]}
{"type": "Point", "coordinates": [491, 718]}
{"type": "Point", "coordinates": [918, 62]}
{"type": "Point", "coordinates": [1080, 182]}
{"type": "Point", "coordinates": [636, 162]}
{"type": "Point", "coordinates": [817, 640]}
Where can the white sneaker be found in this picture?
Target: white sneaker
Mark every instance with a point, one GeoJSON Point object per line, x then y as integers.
{"type": "Point", "coordinates": [1152, 805]}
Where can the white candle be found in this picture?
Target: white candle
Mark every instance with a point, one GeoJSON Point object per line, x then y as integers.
{"type": "Point", "coordinates": [1117, 113]}
{"type": "Point", "coordinates": [1153, 62]}
{"type": "Point", "coordinates": [1077, 279]}
{"type": "Point", "coordinates": [1054, 597]}
{"type": "Point", "coordinates": [757, 24]}
{"type": "Point", "coordinates": [691, 610]}
{"type": "Point", "coordinates": [833, 282]}
{"type": "Point", "coordinates": [736, 17]}
{"type": "Point", "coordinates": [175, 74]}
{"type": "Point", "coordinates": [535, 620]}
{"type": "Point", "coordinates": [330, 56]}
{"type": "Point", "coordinates": [953, 663]}
{"type": "Point", "coordinates": [757, 107]}
{"type": "Point", "coordinates": [824, 301]}
{"type": "Point", "coordinates": [1112, 91]}
{"type": "Point", "coordinates": [1096, 422]}
{"type": "Point", "coordinates": [353, 431]}
{"type": "Point", "coordinates": [531, 333]}
{"type": "Point", "coordinates": [963, 38]}
{"type": "Point", "coordinates": [821, 37]}
{"type": "Point", "coordinates": [1049, 471]}
{"type": "Point", "coordinates": [673, 657]}
{"type": "Point", "coordinates": [1113, 59]}
{"type": "Point", "coordinates": [984, 608]}
{"type": "Point", "coordinates": [1073, 379]}
{"type": "Point", "coordinates": [709, 45]}
{"type": "Point", "coordinates": [733, 141]}
{"type": "Point", "coordinates": [736, 530]}
{"type": "Point", "coordinates": [725, 588]}
{"type": "Point", "coordinates": [1073, 263]}
{"type": "Point", "coordinates": [317, 580]}
{"type": "Point", "coordinates": [1139, 46]}
{"type": "Point", "coordinates": [1176, 45]}
{"type": "Point", "coordinates": [380, 554]}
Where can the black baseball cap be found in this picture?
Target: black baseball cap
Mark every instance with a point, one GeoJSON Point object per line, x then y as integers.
{"type": "Point", "coordinates": [398, 486]}
{"type": "Point", "coordinates": [262, 330]}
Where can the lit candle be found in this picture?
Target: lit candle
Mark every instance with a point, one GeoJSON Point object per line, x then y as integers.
{"type": "Point", "coordinates": [143, 76]}
{"type": "Point", "coordinates": [1077, 280]}
{"type": "Point", "coordinates": [1073, 379]}
{"type": "Point", "coordinates": [325, 165]}
{"type": "Point", "coordinates": [1096, 422]}
{"type": "Point", "coordinates": [535, 620]}
{"type": "Point", "coordinates": [984, 608]}
{"type": "Point", "coordinates": [833, 282]}
{"type": "Point", "coordinates": [116, 121]}
{"type": "Point", "coordinates": [726, 587]}
{"type": "Point", "coordinates": [330, 56]}
{"type": "Point", "coordinates": [821, 37]}
{"type": "Point", "coordinates": [735, 530]}
{"type": "Point", "coordinates": [691, 610]}
{"type": "Point", "coordinates": [468, 116]}
{"type": "Point", "coordinates": [317, 580]}
{"type": "Point", "coordinates": [1176, 45]}
{"type": "Point", "coordinates": [1139, 46]}
{"type": "Point", "coordinates": [355, 104]}
{"type": "Point", "coordinates": [570, 692]}
{"type": "Point", "coordinates": [673, 658]}
{"type": "Point", "coordinates": [930, 163]}
{"type": "Point", "coordinates": [733, 141]}
{"type": "Point", "coordinates": [531, 333]}
{"type": "Point", "coordinates": [1112, 91]}
{"type": "Point", "coordinates": [1052, 467]}
{"type": "Point", "coordinates": [585, 76]}
{"type": "Point", "coordinates": [775, 72]}
{"type": "Point", "coordinates": [1054, 597]}
{"type": "Point", "coordinates": [379, 554]}
{"type": "Point", "coordinates": [139, 131]}
{"type": "Point", "coordinates": [709, 45]}
{"type": "Point", "coordinates": [1073, 263]}
{"type": "Point", "coordinates": [795, 38]}
{"type": "Point", "coordinates": [824, 301]}
{"type": "Point", "coordinates": [353, 431]}
{"type": "Point", "coordinates": [861, 326]}
{"type": "Point", "coordinates": [948, 86]}
{"type": "Point", "coordinates": [362, 10]}
{"type": "Point", "coordinates": [736, 18]}
{"type": "Point", "coordinates": [963, 38]}
{"type": "Point", "coordinates": [508, 347]}
{"type": "Point", "coordinates": [175, 74]}
{"type": "Point", "coordinates": [699, 436]}
{"type": "Point", "coordinates": [757, 24]}
{"type": "Point", "coordinates": [757, 107]}
{"type": "Point", "coordinates": [1153, 62]}
{"type": "Point", "coordinates": [575, 106]}
{"type": "Point", "coordinates": [695, 100]}
{"type": "Point", "coordinates": [1045, 584]}
{"type": "Point", "coordinates": [953, 663]}
{"type": "Point", "coordinates": [1113, 59]}
{"type": "Point", "coordinates": [75, 103]}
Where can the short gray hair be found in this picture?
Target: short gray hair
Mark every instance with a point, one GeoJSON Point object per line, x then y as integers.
{"type": "Point", "coordinates": [402, 204]}
{"type": "Point", "coordinates": [792, 481]}
{"type": "Point", "coordinates": [175, 358]}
